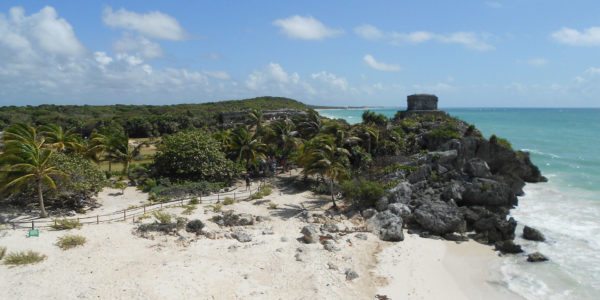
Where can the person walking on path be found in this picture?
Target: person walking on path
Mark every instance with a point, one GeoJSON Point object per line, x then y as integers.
{"type": "Point", "coordinates": [247, 182]}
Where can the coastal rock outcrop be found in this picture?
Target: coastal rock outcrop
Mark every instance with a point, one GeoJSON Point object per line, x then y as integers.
{"type": "Point", "coordinates": [533, 234]}
{"type": "Point", "coordinates": [536, 257]}
{"type": "Point", "coordinates": [310, 234]}
{"type": "Point", "coordinates": [452, 180]}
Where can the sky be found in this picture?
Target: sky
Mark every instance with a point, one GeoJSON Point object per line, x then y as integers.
{"type": "Point", "coordinates": [471, 53]}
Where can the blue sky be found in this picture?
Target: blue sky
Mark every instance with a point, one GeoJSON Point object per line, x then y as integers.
{"type": "Point", "coordinates": [521, 53]}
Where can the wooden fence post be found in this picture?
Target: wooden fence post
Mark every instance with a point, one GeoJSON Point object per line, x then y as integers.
{"type": "Point", "coordinates": [97, 219]}
{"type": "Point", "coordinates": [218, 199]}
{"type": "Point", "coordinates": [32, 224]}
{"type": "Point", "coordinates": [144, 208]}
{"type": "Point", "coordinates": [14, 225]}
{"type": "Point", "coordinates": [124, 214]}
{"type": "Point", "coordinates": [233, 196]}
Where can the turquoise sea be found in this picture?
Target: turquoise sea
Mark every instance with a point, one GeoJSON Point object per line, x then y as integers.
{"type": "Point", "coordinates": [565, 144]}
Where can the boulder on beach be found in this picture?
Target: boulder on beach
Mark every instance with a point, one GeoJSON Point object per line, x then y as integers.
{"type": "Point", "coordinates": [310, 234]}
{"type": "Point", "coordinates": [439, 217]}
{"type": "Point", "coordinates": [536, 257]}
{"type": "Point", "coordinates": [387, 226]}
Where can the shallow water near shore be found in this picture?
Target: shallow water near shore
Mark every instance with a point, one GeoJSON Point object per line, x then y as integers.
{"type": "Point", "coordinates": [564, 144]}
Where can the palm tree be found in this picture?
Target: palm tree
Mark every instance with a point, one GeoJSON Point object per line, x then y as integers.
{"type": "Point", "coordinates": [246, 146]}
{"type": "Point", "coordinates": [121, 151]}
{"type": "Point", "coordinates": [26, 159]}
{"type": "Point", "coordinates": [311, 125]}
{"type": "Point", "coordinates": [224, 138]}
{"type": "Point", "coordinates": [368, 134]}
{"type": "Point", "coordinates": [284, 139]}
{"type": "Point", "coordinates": [327, 160]}
{"type": "Point", "coordinates": [60, 139]}
{"type": "Point", "coordinates": [256, 120]}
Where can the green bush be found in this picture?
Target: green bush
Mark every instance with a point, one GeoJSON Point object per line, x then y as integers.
{"type": "Point", "coordinates": [194, 201]}
{"type": "Point", "coordinates": [500, 141]}
{"type": "Point", "coordinates": [162, 217]}
{"type": "Point", "coordinates": [66, 224]}
{"type": "Point", "coordinates": [263, 192]}
{"type": "Point", "coordinates": [167, 190]}
{"type": "Point", "coordinates": [23, 258]}
{"type": "Point", "coordinates": [444, 132]}
{"type": "Point", "coordinates": [272, 205]}
{"type": "Point", "coordinates": [194, 226]}
{"type": "Point", "coordinates": [70, 241]}
{"type": "Point", "coordinates": [362, 193]}
{"type": "Point", "coordinates": [2, 252]}
{"type": "Point", "coordinates": [228, 201]}
{"type": "Point", "coordinates": [193, 155]}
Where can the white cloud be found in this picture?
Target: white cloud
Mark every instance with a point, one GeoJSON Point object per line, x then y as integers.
{"type": "Point", "coordinates": [368, 32]}
{"type": "Point", "coordinates": [152, 24]}
{"type": "Point", "coordinates": [573, 37]}
{"type": "Point", "coordinates": [537, 62]}
{"type": "Point", "coordinates": [272, 74]}
{"type": "Point", "coordinates": [331, 79]}
{"type": "Point", "coordinates": [469, 40]}
{"type": "Point", "coordinates": [593, 71]}
{"type": "Point", "coordinates": [139, 45]}
{"type": "Point", "coordinates": [380, 66]}
{"type": "Point", "coordinates": [305, 28]}
{"type": "Point", "coordinates": [218, 75]}
{"type": "Point", "coordinates": [43, 31]}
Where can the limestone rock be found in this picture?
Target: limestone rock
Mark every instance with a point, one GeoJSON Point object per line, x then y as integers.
{"type": "Point", "coordinates": [310, 234]}
{"type": "Point", "coordinates": [536, 257]}
{"type": "Point", "coordinates": [533, 234]}
{"type": "Point", "coordinates": [439, 218]}
{"type": "Point", "coordinates": [508, 246]}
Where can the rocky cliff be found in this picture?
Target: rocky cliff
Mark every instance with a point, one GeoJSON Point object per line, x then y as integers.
{"type": "Point", "coordinates": [453, 181]}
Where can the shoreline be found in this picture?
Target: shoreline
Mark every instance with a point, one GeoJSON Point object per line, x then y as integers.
{"type": "Point", "coordinates": [421, 268]}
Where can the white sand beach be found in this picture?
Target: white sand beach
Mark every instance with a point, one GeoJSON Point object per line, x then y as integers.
{"type": "Point", "coordinates": [117, 264]}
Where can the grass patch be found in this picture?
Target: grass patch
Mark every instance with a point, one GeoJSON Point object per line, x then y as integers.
{"type": "Point", "coordinates": [500, 141]}
{"type": "Point", "coordinates": [2, 252]}
{"type": "Point", "coordinates": [189, 209]}
{"type": "Point", "coordinates": [23, 258]}
{"type": "Point", "coordinates": [263, 192]}
{"type": "Point", "coordinates": [162, 217]}
{"type": "Point", "coordinates": [194, 201]}
{"type": "Point", "coordinates": [70, 241]}
{"type": "Point", "coordinates": [228, 201]}
{"type": "Point", "coordinates": [66, 224]}
{"type": "Point", "coordinates": [272, 205]}
{"type": "Point", "coordinates": [217, 207]}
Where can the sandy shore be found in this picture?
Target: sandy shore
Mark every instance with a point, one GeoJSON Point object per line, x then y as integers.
{"type": "Point", "coordinates": [117, 264]}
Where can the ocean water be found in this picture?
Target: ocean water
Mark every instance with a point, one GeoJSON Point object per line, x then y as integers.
{"type": "Point", "coordinates": [565, 145]}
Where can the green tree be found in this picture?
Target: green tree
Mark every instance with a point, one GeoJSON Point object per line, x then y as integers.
{"type": "Point", "coordinates": [247, 147]}
{"type": "Point", "coordinates": [256, 120]}
{"type": "Point", "coordinates": [61, 140]}
{"type": "Point", "coordinates": [122, 151]}
{"type": "Point", "coordinates": [284, 139]}
{"type": "Point", "coordinates": [27, 159]}
{"type": "Point", "coordinates": [328, 160]}
{"type": "Point", "coordinates": [193, 155]}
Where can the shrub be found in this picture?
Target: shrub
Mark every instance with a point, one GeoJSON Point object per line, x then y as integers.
{"type": "Point", "coordinates": [166, 189]}
{"type": "Point", "coordinates": [70, 241]}
{"type": "Point", "coordinates": [320, 188]}
{"type": "Point", "coordinates": [195, 201]}
{"type": "Point", "coordinates": [180, 222]}
{"type": "Point", "coordinates": [444, 132]}
{"type": "Point", "coordinates": [217, 207]}
{"type": "Point", "coordinates": [500, 141]}
{"type": "Point", "coordinates": [272, 205]}
{"type": "Point", "coordinates": [194, 226]}
{"type": "Point", "coordinates": [189, 209]}
{"type": "Point", "coordinates": [120, 185]}
{"type": "Point", "coordinates": [162, 217]}
{"type": "Point", "coordinates": [228, 201]}
{"type": "Point", "coordinates": [263, 192]}
{"type": "Point", "coordinates": [2, 252]}
{"type": "Point", "coordinates": [23, 258]}
{"type": "Point", "coordinates": [362, 193]}
{"type": "Point", "coordinates": [66, 224]}
{"type": "Point", "coordinates": [193, 155]}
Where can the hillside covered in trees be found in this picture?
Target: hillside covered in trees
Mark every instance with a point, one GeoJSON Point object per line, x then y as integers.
{"type": "Point", "coordinates": [138, 121]}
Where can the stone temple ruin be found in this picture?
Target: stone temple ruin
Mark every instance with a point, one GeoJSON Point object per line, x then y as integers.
{"type": "Point", "coordinates": [421, 104]}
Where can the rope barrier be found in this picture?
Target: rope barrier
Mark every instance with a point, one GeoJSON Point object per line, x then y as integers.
{"type": "Point", "coordinates": [123, 215]}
